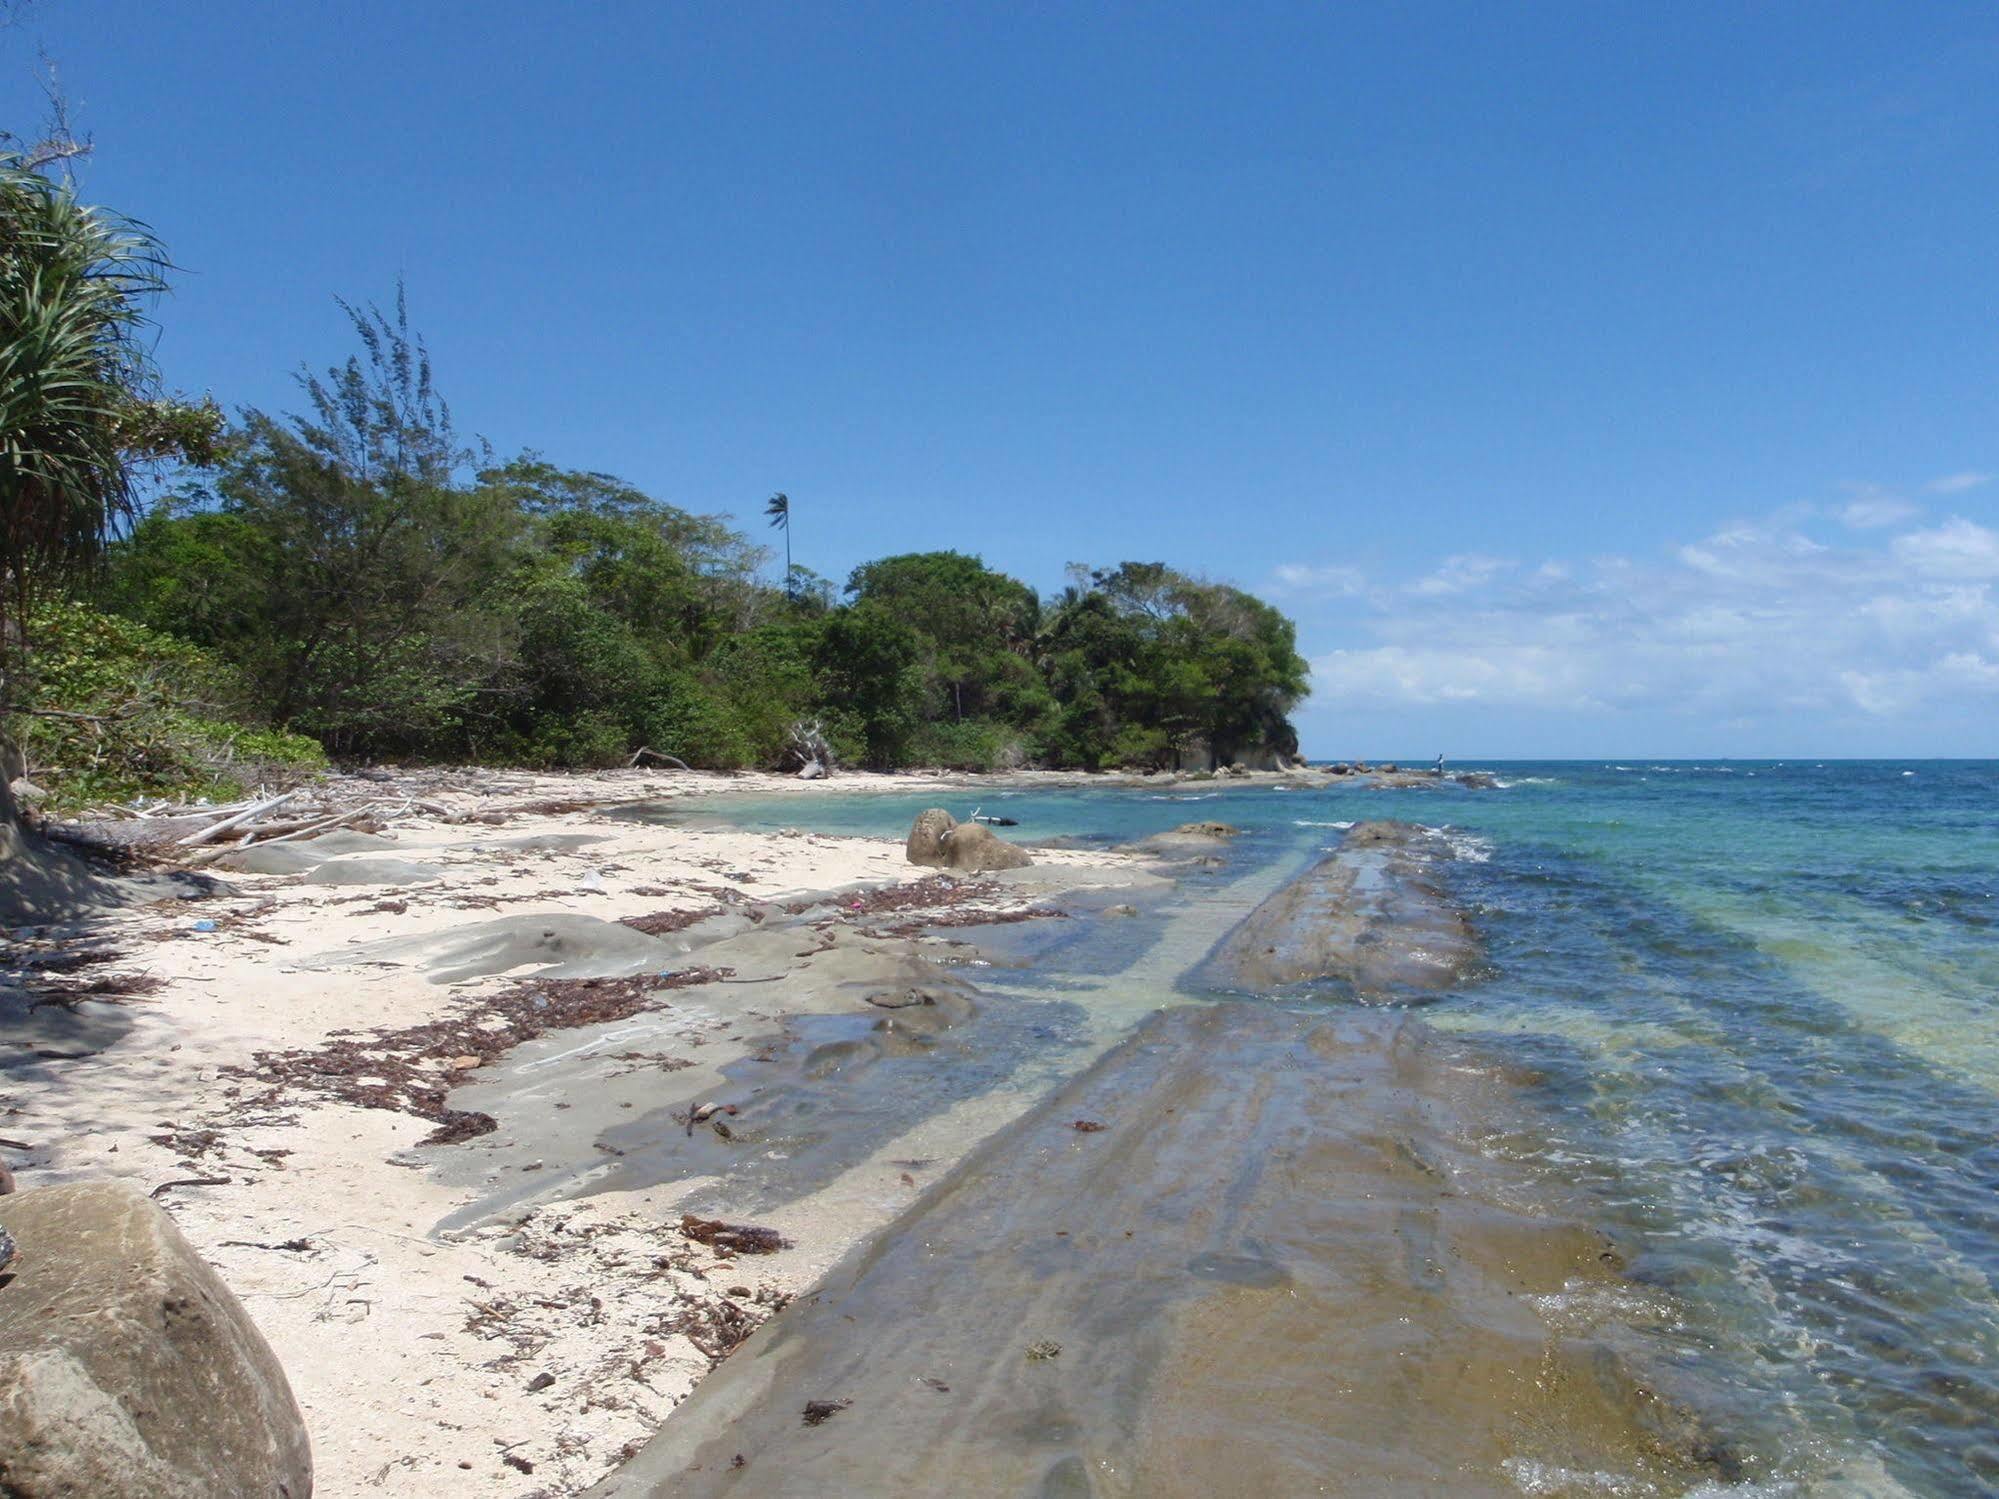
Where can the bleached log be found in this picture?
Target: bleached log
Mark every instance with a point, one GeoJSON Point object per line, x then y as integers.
{"type": "Point", "coordinates": [217, 829]}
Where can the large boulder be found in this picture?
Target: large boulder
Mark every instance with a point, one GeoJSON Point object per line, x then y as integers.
{"type": "Point", "coordinates": [127, 1370]}
{"type": "Point", "coordinates": [973, 848]}
{"type": "Point", "coordinates": [926, 837]}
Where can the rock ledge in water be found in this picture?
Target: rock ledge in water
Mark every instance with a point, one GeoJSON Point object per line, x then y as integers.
{"type": "Point", "coordinates": [1372, 915]}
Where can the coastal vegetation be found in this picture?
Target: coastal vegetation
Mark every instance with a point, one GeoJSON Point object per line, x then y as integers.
{"type": "Point", "coordinates": [354, 579]}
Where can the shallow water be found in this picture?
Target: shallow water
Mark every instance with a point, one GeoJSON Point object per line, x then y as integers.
{"type": "Point", "coordinates": [1755, 1003]}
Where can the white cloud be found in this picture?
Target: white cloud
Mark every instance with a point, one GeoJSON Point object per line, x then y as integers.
{"type": "Point", "coordinates": [1461, 574]}
{"type": "Point", "coordinates": [1755, 621]}
{"type": "Point", "coordinates": [1956, 549]}
{"type": "Point", "coordinates": [1871, 512]}
{"type": "Point", "coordinates": [1958, 483]}
{"type": "Point", "coordinates": [1336, 582]}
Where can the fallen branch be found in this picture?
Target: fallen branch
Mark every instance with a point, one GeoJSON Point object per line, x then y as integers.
{"type": "Point", "coordinates": [338, 819]}
{"type": "Point", "coordinates": [217, 829]}
{"type": "Point", "coordinates": [644, 752]}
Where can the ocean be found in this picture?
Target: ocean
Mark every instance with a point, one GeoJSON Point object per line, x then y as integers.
{"type": "Point", "coordinates": [1755, 1009]}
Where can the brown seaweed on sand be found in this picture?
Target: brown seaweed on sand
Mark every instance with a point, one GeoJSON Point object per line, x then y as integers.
{"type": "Point", "coordinates": [412, 1070]}
{"type": "Point", "coordinates": [738, 1238]}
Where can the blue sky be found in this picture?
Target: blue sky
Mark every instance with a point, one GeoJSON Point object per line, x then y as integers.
{"type": "Point", "coordinates": [1588, 379]}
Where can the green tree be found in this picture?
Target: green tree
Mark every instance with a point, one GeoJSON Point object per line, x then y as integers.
{"type": "Point", "coordinates": [380, 626]}
{"type": "Point", "coordinates": [868, 665]}
{"type": "Point", "coordinates": [975, 627]}
{"type": "Point", "coordinates": [1150, 666]}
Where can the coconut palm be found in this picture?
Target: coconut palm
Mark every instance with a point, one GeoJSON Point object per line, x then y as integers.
{"type": "Point", "coordinates": [779, 511]}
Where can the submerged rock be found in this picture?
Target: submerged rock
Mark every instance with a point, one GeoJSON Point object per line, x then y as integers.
{"type": "Point", "coordinates": [126, 1367]}
{"type": "Point", "coordinates": [1372, 915]}
{"type": "Point", "coordinates": [1190, 838]}
{"type": "Point", "coordinates": [1249, 1252]}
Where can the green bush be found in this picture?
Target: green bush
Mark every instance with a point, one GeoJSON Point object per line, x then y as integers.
{"type": "Point", "coordinates": [109, 710]}
{"type": "Point", "coordinates": [975, 744]}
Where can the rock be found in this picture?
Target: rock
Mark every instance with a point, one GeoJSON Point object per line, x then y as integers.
{"type": "Point", "coordinates": [1387, 767]}
{"type": "Point", "coordinates": [1121, 910]}
{"type": "Point", "coordinates": [27, 793]}
{"type": "Point", "coordinates": [926, 837]}
{"type": "Point", "coordinates": [6, 1248]}
{"type": "Point", "coordinates": [1190, 838]}
{"type": "Point", "coordinates": [972, 848]}
{"type": "Point", "coordinates": [811, 770]}
{"type": "Point", "coordinates": [1238, 769]}
{"type": "Point", "coordinates": [362, 870]}
{"type": "Point", "coordinates": [126, 1367]}
{"type": "Point", "coordinates": [1207, 830]}
{"type": "Point", "coordinates": [1373, 916]}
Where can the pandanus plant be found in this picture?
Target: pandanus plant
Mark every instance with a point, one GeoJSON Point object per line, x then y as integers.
{"type": "Point", "coordinates": [78, 393]}
{"type": "Point", "coordinates": [79, 402]}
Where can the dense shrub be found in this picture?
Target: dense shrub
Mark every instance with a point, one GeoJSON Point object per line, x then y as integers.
{"type": "Point", "coordinates": [112, 710]}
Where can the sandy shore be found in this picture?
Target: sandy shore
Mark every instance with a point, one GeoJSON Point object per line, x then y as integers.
{"type": "Point", "coordinates": [273, 1083]}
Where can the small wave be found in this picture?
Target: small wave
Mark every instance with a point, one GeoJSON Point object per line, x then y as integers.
{"type": "Point", "coordinates": [1299, 822]}
{"type": "Point", "coordinates": [1532, 1477]}
{"type": "Point", "coordinates": [1506, 785]}
{"type": "Point", "coordinates": [1469, 847]}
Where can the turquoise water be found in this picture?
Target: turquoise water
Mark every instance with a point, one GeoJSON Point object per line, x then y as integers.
{"type": "Point", "coordinates": [1758, 1008]}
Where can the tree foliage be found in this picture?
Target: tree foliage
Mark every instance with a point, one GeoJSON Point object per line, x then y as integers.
{"type": "Point", "coordinates": [382, 588]}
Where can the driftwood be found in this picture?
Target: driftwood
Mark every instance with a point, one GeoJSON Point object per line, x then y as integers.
{"type": "Point", "coordinates": [645, 752]}
{"type": "Point", "coordinates": [806, 751]}
{"type": "Point", "coordinates": [228, 824]}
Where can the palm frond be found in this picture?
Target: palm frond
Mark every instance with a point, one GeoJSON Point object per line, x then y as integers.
{"type": "Point", "coordinates": [75, 282]}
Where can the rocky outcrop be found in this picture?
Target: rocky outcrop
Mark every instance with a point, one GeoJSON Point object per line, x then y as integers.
{"type": "Point", "coordinates": [1372, 915]}
{"type": "Point", "coordinates": [971, 848]}
{"type": "Point", "coordinates": [937, 840]}
{"type": "Point", "coordinates": [126, 1367]}
{"type": "Point", "coordinates": [1189, 840]}
{"type": "Point", "coordinates": [926, 837]}
{"type": "Point", "coordinates": [1249, 1252]}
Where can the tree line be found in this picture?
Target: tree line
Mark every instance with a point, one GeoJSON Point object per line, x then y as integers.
{"type": "Point", "coordinates": [354, 573]}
